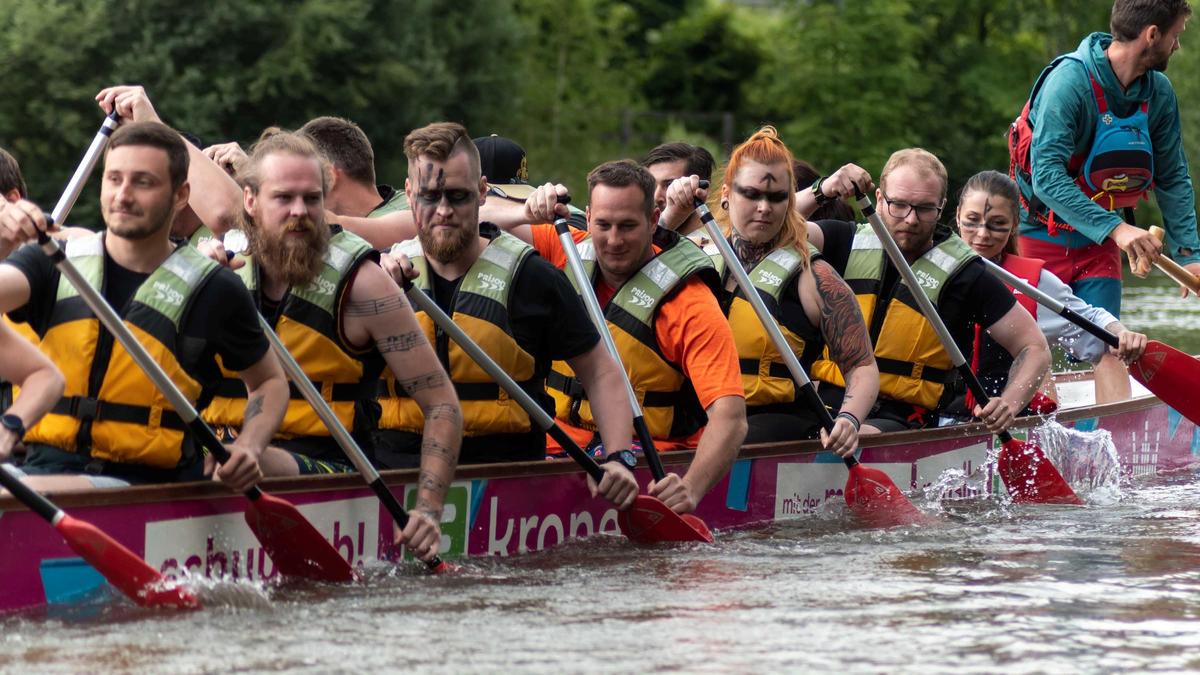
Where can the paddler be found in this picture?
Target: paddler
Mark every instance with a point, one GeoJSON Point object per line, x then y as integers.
{"type": "Point", "coordinates": [657, 290]}
{"type": "Point", "coordinates": [915, 372]}
{"type": "Point", "coordinates": [515, 306]}
{"type": "Point", "coordinates": [988, 213]}
{"type": "Point", "coordinates": [113, 427]}
{"type": "Point", "coordinates": [40, 381]}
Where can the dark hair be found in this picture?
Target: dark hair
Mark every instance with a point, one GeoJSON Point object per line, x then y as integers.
{"type": "Point", "coordinates": [806, 175]}
{"type": "Point", "coordinates": [1131, 17]}
{"type": "Point", "coordinates": [439, 141]}
{"type": "Point", "coordinates": [156, 135]}
{"type": "Point", "coordinates": [345, 146]}
{"type": "Point", "coordinates": [622, 174]}
{"type": "Point", "coordinates": [10, 175]}
{"type": "Point", "coordinates": [1000, 185]}
{"type": "Point", "coordinates": [272, 141]}
{"type": "Point", "coordinates": [699, 161]}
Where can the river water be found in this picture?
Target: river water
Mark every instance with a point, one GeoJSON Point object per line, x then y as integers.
{"type": "Point", "coordinates": [1113, 586]}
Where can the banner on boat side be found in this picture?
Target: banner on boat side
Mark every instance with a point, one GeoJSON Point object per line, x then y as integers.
{"type": "Point", "coordinates": [224, 546]}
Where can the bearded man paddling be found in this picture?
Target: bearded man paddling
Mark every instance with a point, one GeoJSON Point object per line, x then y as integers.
{"type": "Point", "coordinates": [344, 320]}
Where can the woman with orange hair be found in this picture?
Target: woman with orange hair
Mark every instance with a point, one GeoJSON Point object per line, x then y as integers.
{"type": "Point", "coordinates": [814, 308]}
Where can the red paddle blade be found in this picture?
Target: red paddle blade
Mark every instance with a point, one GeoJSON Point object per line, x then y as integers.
{"type": "Point", "coordinates": [874, 497]}
{"type": "Point", "coordinates": [123, 568]}
{"type": "Point", "coordinates": [1172, 376]}
{"type": "Point", "coordinates": [1030, 476]}
{"type": "Point", "coordinates": [649, 521]}
{"type": "Point", "coordinates": [295, 546]}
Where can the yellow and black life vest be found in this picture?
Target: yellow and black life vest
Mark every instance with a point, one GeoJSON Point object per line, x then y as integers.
{"type": "Point", "coordinates": [110, 410]}
{"type": "Point", "coordinates": [913, 366]}
{"type": "Point", "coordinates": [669, 401]}
{"type": "Point", "coordinates": [480, 308]}
{"type": "Point", "coordinates": [765, 378]}
{"type": "Point", "coordinates": [309, 323]}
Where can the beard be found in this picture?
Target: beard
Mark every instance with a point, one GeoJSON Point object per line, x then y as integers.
{"type": "Point", "coordinates": [294, 260]}
{"type": "Point", "coordinates": [448, 244]}
{"type": "Point", "coordinates": [152, 222]}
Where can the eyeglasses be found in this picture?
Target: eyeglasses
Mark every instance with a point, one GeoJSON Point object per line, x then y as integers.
{"type": "Point", "coordinates": [925, 212]}
{"type": "Point", "coordinates": [754, 194]}
{"type": "Point", "coordinates": [997, 229]}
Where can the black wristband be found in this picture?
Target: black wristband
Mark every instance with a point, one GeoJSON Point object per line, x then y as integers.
{"type": "Point", "coordinates": [821, 197]}
{"type": "Point", "coordinates": [853, 420]}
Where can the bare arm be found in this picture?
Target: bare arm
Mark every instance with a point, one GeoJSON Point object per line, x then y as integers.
{"type": "Point", "coordinates": [604, 382]}
{"type": "Point", "coordinates": [718, 447]}
{"type": "Point", "coordinates": [266, 401]}
{"type": "Point", "coordinates": [380, 232]}
{"type": "Point", "coordinates": [41, 383]}
{"type": "Point", "coordinates": [216, 197]}
{"type": "Point", "coordinates": [377, 313]}
{"type": "Point", "coordinates": [1017, 332]}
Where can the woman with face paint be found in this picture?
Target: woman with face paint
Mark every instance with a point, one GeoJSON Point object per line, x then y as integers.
{"type": "Point", "coordinates": [987, 220]}
{"type": "Point", "coordinates": [812, 305]}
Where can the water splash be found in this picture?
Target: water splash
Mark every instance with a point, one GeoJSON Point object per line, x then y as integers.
{"type": "Point", "coordinates": [1086, 459]}
{"type": "Point", "coordinates": [228, 592]}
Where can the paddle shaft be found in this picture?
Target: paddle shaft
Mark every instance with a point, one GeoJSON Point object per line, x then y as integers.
{"type": "Point", "coordinates": [24, 494]}
{"type": "Point", "coordinates": [86, 165]}
{"type": "Point", "coordinates": [535, 412]}
{"type": "Point", "coordinates": [575, 266]}
{"type": "Point", "coordinates": [927, 308]}
{"type": "Point", "coordinates": [338, 431]}
{"type": "Point", "coordinates": [805, 385]}
{"type": "Point", "coordinates": [1053, 304]}
{"type": "Point", "coordinates": [1173, 269]}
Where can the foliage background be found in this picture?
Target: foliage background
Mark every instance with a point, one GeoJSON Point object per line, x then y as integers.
{"type": "Point", "coordinates": [576, 82]}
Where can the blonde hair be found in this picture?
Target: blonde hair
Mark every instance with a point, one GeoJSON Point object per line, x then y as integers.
{"type": "Point", "coordinates": [276, 141]}
{"type": "Point", "coordinates": [765, 147]}
{"type": "Point", "coordinates": [919, 159]}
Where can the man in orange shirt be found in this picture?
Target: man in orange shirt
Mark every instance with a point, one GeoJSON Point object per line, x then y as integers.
{"type": "Point", "coordinates": [673, 338]}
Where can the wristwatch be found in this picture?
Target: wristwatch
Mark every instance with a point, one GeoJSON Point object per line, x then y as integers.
{"type": "Point", "coordinates": [819, 195]}
{"type": "Point", "coordinates": [625, 458]}
{"type": "Point", "coordinates": [17, 427]}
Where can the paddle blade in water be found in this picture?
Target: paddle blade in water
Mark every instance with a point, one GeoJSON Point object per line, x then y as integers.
{"type": "Point", "coordinates": [1172, 376]}
{"type": "Point", "coordinates": [295, 546]}
{"type": "Point", "coordinates": [874, 497]}
{"type": "Point", "coordinates": [649, 521]}
{"type": "Point", "coordinates": [123, 568]}
{"type": "Point", "coordinates": [1030, 476]}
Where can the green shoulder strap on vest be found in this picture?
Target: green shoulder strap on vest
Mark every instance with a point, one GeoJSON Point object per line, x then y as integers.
{"type": "Point", "coordinates": [346, 249]}
{"type": "Point", "coordinates": [780, 266]}
{"type": "Point", "coordinates": [87, 255]}
{"type": "Point", "coordinates": [412, 249]}
{"type": "Point", "coordinates": [492, 274]}
{"type": "Point", "coordinates": [201, 235]}
{"type": "Point", "coordinates": [170, 288]}
{"type": "Point", "coordinates": [679, 260]}
{"type": "Point", "coordinates": [933, 269]}
{"type": "Point", "coordinates": [587, 254]}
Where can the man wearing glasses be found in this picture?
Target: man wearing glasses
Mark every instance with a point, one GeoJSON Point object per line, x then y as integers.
{"type": "Point", "coordinates": [914, 369]}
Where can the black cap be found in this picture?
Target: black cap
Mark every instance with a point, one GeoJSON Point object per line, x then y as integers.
{"type": "Point", "coordinates": [502, 160]}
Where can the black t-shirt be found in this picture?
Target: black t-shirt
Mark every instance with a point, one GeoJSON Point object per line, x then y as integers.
{"type": "Point", "coordinates": [222, 312]}
{"type": "Point", "coordinates": [548, 321]}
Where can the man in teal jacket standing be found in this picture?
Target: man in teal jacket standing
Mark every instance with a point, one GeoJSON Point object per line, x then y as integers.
{"type": "Point", "coordinates": [1105, 131]}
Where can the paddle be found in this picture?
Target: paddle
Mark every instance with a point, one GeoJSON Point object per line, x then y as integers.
{"type": "Point", "coordinates": [645, 522]}
{"type": "Point", "coordinates": [295, 546]}
{"type": "Point", "coordinates": [1025, 469]}
{"type": "Point", "coordinates": [1173, 269]}
{"type": "Point", "coordinates": [343, 437]}
{"type": "Point", "coordinates": [1167, 372]}
{"type": "Point", "coordinates": [123, 568]}
{"type": "Point", "coordinates": [870, 493]}
{"type": "Point", "coordinates": [670, 526]}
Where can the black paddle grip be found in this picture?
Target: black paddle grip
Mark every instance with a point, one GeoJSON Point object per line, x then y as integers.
{"type": "Point", "coordinates": [24, 494]}
{"type": "Point", "coordinates": [980, 395]}
{"type": "Point", "coordinates": [648, 449]}
{"type": "Point", "coordinates": [399, 515]}
{"type": "Point", "coordinates": [1090, 326]}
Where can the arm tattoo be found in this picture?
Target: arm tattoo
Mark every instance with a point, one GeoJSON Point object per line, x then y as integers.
{"type": "Point", "coordinates": [400, 343]}
{"type": "Point", "coordinates": [443, 411]}
{"type": "Point", "coordinates": [431, 380]}
{"type": "Point", "coordinates": [841, 320]}
{"type": "Point", "coordinates": [431, 447]}
{"type": "Point", "coordinates": [253, 407]}
{"type": "Point", "coordinates": [374, 307]}
{"type": "Point", "coordinates": [428, 481]}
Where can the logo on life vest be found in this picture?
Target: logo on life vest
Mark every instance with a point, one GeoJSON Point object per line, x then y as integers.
{"type": "Point", "coordinates": [642, 298]}
{"type": "Point", "coordinates": [926, 280]}
{"type": "Point", "coordinates": [768, 278]}
{"type": "Point", "coordinates": [491, 283]}
{"type": "Point", "coordinates": [1107, 118]}
{"type": "Point", "coordinates": [164, 293]}
{"type": "Point", "coordinates": [321, 286]}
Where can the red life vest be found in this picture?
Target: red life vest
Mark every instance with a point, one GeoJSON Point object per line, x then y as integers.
{"type": "Point", "coordinates": [1028, 270]}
